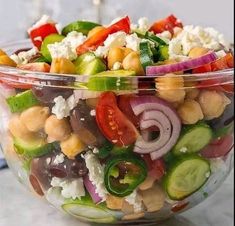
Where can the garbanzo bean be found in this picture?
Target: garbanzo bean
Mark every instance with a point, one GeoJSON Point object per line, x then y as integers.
{"type": "Point", "coordinates": [35, 117]}
{"type": "Point", "coordinates": [57, 129]}
{"type": "Point", "coordinates": [95, 30]}
{"type": "Point", "coordinates": [62, 66]}
{"type": "Point", "coordinates": [117, 54]}
{"type": "Point", "coordinates": [213, 103]}
{"type": "Point", "coordinates": [18, 129]}
{"type": "Point", "coordinates": [132, 62]}
{"type": "Point", "coordinates": [72, 146]}
{"type": "Point", "coordinates": [197, 52]}
{"type": "Point", "coordinates": [190, 112]}
{"type": "Point", "coordinates": [114, 203]}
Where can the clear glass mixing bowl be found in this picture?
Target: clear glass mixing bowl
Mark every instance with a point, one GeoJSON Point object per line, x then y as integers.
{"type": "Point", "coordinates": [58, 178]}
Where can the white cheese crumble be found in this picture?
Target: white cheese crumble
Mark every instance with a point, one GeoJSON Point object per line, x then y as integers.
{"type": "Point", "coordinates": [93, 112]}
{"type": "Point", "coordinates": [89, 58]}
{"type": "Point", "coordinates": [190, 37]}
{"type": "Point", "coordinates": [133, 42]}
{"type": "Point", "coordinates": [117, 66]}
{"type": "Point", "coordinates": [221, 53]}
{"type": "Point", "coordinates": [24, 56]}
{"type": "Point", "coordinates": [143, 23]}
{"type": "Point", "coordinates": [134, 200]}
{"type": "Point", "coordinates": [59, 159]}
{"type": "Point", "coordinates": [72, 188]}
{"type": "Point", "coordinates": [45, 19]}
{"type": "Point", "coordinates": [63, 107]}
{"type": "Point", "coordinates": [96, 174]}
{"type": "Point", "coordinates": [183, 149]}
{"type": "Point", "coordinates": [96, 151]}
{"type": "Point", "coordinates": [165, 35]}
{"type": "Point", "coordinates": [67, 47]}
{"type": "Point", "coordinates": [207, 174]}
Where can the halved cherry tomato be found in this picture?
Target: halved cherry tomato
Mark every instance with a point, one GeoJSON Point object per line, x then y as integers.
{"type": "Point", "coordinates": [98, 38]}
{"type": "Point", "coordinates": [202, 69]}
{"type": "Point", "coordinates": [114, 125]}
{"type": "Point", "coordinates": [219, 147]}
{"type": "Point", "coordinates": [167, 24]}
{"type": "Point", "coordinates": [219, 64]}
{"type": "Point", "coordinates": [156, 168]}
{"type": "Point", "coordinates": [230, 60]}
{"type": "Point", "coordinates": [37, 35]}
{"type": "Point", "coordinates": [125, 106]}
{"type": "Point", "coordinates": [39, 67]}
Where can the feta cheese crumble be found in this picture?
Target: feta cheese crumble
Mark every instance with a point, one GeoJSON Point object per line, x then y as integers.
{"type": "Point", "coordinates": [24, 56]}
{"type": "Point", "coordinates": [63, 107]}
{"type": "Point", "coordinates": [59, 159]}
{"type": "Point", "coordinates": [96, 173]}
{"type": "Point", "coordinates": [72, 188]}
{"type": "Point", "coordinates": [45, 19]}
{"type": "Point", "coordinates": [67, 47]}
{"type": "Point", "coordinates": [134, 200]}
{"type": "Point", "coordinates": [143, 23]}
{"type": "Point", "coordinates": [93, 112]}
{"type": "Point", "coordinates": [190, 37]}
{"type": "Point", "coordinates": [133, 42]}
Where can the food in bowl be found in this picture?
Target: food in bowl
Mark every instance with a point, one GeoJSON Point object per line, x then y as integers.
{"type": "Point", "coordinates": [119, 123]}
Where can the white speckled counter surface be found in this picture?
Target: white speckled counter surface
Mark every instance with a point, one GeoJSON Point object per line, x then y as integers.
{"type": "Point", "coordinates": [20, 208]}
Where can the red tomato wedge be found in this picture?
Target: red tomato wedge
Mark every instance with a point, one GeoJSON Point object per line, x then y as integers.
{"type": "Point", "coordinates": [219, 147]}
{"type": "Point", "coordinates": [125, 106]}
{"type": "Point", "coordinates": [98, 38]}
{"type": "Point", "coordinates": [37, 35]}
{"type": "Point", "coordinates": [156, 168]}
{"type": "Point", "coordinates": [167, 24]}
{"type": "Point", "coordinates": [114, 125]}
{"type": "Point", "coordinates": [39, 67]}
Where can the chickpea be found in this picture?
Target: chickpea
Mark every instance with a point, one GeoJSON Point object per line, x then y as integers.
{"type": "Point", "coordinates": [190, 112]}
{"type": "Point", "coordinates": [213, 103]}
{"type": "Point", "coordinates": [95, 30]}
{"type": "Point", "coordinates": [57, 129]}
{"type": "Point", "coordinates": [35, 117]}
{"type": "Point", "coordinates": [72, 146]}
{"type": "Point", "coordinates": [192, 93]}
{"type": "Point", "coordinates": [197, 52]}
{"type": "Point", "coordinates": [148, 183]}
{"type": "Point", "coordinates": [117, 54]}
{"type": "Point", "coordinates": [18, 129]}
{"type": "Point", "coordinates": [171, 88]}
{"type": "Point", "coordinates": [62, 66]}
{"type": "Point", "coordinates": [132, 62]}
{"type": "Point", "coordinates": [114, 203]}
{"type": "Point", "coordinates": [6, 60]}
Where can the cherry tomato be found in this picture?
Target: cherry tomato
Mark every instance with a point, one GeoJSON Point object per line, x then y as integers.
{"type": "Point", "coordinates": [219, 147]}
{"type": "Point", "coordinates": [230, 60]}
{"type": "Point", "coordinates": [167, 24]}
{"type": "Point", "coordinates": [98, 38]}
{"type": "Point", "coordinates": [125, 106]}
{"type": "Point", "coordinates": [37, 35]}
{"type": "Point", "coordinates": [39, 67]}
{"type": "Point", "coordinates": [202, 69]}
{"type": "Point", "coordinates": [156, 168]}
{"type": "Point", "coordinates": [114, 125]}
{"type": "Point", "coordinates": [219, 64]}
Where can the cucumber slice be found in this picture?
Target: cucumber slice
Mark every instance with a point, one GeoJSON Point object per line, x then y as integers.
{"type": "Point", "coordinates": [86, 210]}
{"type": "Point", "coordinates": [163, 53]}
{"type": "Point", "coordinates": [186, 176]}
{"type": "Point", "coordinates": [50, 39]}
{"type": "Point", "coordinates": [34, 148]}
{"type": "Point", "coordinates": [112, 80]}
{"type": "Point", "coordinates": [22, 101]}
{"type": "Point", "coordinates": [79, 26]}
{"type": "Point", "coordinates": [193, 139]}
{"type": "Point", "coordinates": [89, 64]}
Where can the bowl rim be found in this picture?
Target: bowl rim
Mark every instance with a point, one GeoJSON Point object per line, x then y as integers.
{"type": "Point", "coordinates": [11, 74]}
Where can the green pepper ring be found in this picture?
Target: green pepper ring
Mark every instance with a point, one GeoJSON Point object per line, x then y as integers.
{"type": "Point", "coordinates": [113, 161]}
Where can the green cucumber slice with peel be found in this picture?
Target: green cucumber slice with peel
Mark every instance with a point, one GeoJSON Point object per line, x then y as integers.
{"type": "Point", "coordinates": [50, 39]}
{"type": "Point", "coordinates": [112, 80]}
{"type": "Point", "coordinates": [86, 210]}
{"type": "Point", "coordinates": [146, 54]}
{"type": "Point", "coordinates": [89, 64]}
{"type": "Point", "coordinates": [79, 26]}
{"type": "Point", "coordinates": [185, 176]}
{"type": "Point", "coordinates": [193, 139]}
{"type": "Point", "coordinates": [22, 101]}
{"type": "Point", "coordinates": [34, 148]}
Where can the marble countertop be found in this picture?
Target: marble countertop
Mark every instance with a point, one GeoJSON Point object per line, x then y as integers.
{"type": "Point", "coordinates": [20, 208]}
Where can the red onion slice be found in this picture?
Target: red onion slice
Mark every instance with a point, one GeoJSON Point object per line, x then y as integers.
{"type": "Point", "coordinates": [91, 189]}
{"type": "Point", "coordinates": [150, 106]}
{"type": "Point", "coordinates": [182, 66]}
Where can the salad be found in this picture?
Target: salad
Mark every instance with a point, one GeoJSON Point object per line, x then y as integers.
{"type": "Point", "coordinates": [139, 133]}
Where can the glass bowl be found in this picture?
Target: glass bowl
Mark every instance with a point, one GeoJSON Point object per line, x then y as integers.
{"type": "Point", "coordinates": [95, 164]}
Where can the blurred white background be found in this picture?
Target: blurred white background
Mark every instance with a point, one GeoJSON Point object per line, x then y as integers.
{"type": "Point", "coordinates": [17, 15]}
